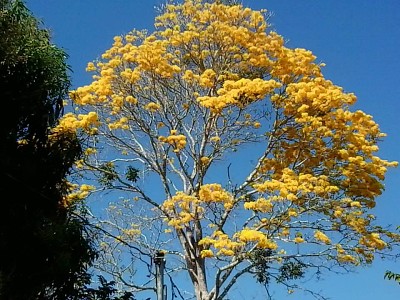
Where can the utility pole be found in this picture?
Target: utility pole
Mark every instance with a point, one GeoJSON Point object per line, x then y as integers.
{"type": "Point", "coordinates": [159, 261]}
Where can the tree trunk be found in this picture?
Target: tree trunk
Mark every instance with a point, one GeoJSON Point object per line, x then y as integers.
{"type": "Point", "coordinates": [195, 264]}
{"type": "Point", "coordinates": [200, 285]}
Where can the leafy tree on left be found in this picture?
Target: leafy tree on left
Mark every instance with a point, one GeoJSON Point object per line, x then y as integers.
{"type": "Point", "coordinates": [46, 249]}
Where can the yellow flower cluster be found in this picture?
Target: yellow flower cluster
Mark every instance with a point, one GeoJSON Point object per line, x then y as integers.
{"type": "Point", "coordinates": [119, 124]}
{"type": "Point", "coordinates": [215, 193]}
{"type": "Point", "coordinates": [261, 205]}
{"type": "Point", "coordinates": [347, 258]}
{"type": "Point", "coordinates": [178, 141]}
{"type": "Point", "coordinates": [204, 160]}
{"type": "Point", "coordinates": [314, 97]}
{"type": "Point", "coordinates": [152, 56]}
{"type": "Point", "coordinates": [373, 241]}
{"type": "Point", "coordinates": [200, 52]}
{"type": "Point", "coordinates": [240, 93]}
{"type": "Point", "coordinates": [290, 186]}
{"type": "Point", "coordinates": [151, 106]}
{"type": "Point", "coordinates": [357, 223]}
{"type": "Point", "coordinates": [295, 63]}
{"type": "Point", "coordinates": [91, 67]}
{"type": "Point", "coordinates": [322, 237]}
{"type": "Point", "coordinates": [292, 212]}
{"type": "Point", "coordinates": [207, 79]}
{"type": "Point", "coordinates": [130, 233]}
{"type": "Point", "coordinates": [221, 242]}
{"type": "Point", "coordinates": [78, 193]}
{"type": "Point", "coordinates": [343, 256]}
{"type": "Point", "coordinates": [207, 13]}
{"type": "Point", "coordinates": [206, 253]}
{"type": "Point", "coordinates": [255, 236]}
{"type": "Point", "coordinates": [90, 151]}
{"type": "Point", "coordinates": [298, 240]}
{"type": "Point", "coordinates": [71, 123]}
{"type": "Point", "coordinates": [182, 209]}
{"type": "Point", "coordinates": [215, 139]}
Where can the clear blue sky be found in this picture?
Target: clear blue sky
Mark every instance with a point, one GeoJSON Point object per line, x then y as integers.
{"type": "Point", "coordinates": [359, 40]}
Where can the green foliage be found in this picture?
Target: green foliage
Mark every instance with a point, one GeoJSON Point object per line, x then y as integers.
{"type": "Point", "coordinates": [132, 174]}
{"type": "Point", "coordinates": [392, 276]}
{"type": "Point", "coordinates": [291, 270]}
{"type": "Point", "coordinates": [106, 291]}
{"type": "Point", "coordinates": [260, 259]}
{"type": "Point", "coordinates": [45, 247]}
{"type": "Point", "coordinates": [33, 75]}
{"type": "Point", "coordinates": [108, 174]}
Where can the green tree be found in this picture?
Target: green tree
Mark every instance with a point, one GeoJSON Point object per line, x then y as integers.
{"type": "Point", "coordinates": [45, 247]}
{"type": "Point", "coordinates": [229, 151]}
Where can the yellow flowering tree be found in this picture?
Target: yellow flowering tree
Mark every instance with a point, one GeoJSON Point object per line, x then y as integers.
{"type": "Point", "coordinates": [171, 118]}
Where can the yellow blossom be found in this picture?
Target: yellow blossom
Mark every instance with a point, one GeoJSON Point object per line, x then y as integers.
{"type": "Point", "coordinates": [215, 139]}
{"type": "Point", "coordinates": [206, 253]}
{"type": "Point", "coordinates": [178, 141]}
{"type": "Point", "coordinates": [152, 106]}
{"type": "Point", "coordinates": [298, 240]}
{"type": "Point", "coordinates": [205, 160]}
{"type": "Point", "coordinates": [261, 204]}
{"type": "Point", "coordinates": [320, 236]}
{"type": "Point", "coordinates": [90, 67]}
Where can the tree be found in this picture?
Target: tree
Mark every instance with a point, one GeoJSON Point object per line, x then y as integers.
{"type": "Point", "coordinates": [45, 247]}
{"type": "Point", "coordinates": [230, 152]}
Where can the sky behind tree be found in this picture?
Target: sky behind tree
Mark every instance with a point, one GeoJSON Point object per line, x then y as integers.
{"type": "Point", "coordinates": [358, 40]}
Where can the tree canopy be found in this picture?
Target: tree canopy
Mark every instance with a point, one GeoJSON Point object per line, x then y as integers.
{"type": "Point", "coordinates": [227, 150]}
{"type": "Point", "coordinates": [45, 248]}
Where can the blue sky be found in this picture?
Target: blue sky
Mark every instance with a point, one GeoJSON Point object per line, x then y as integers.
{"type": "Point", "coordinates": [359, 41]}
